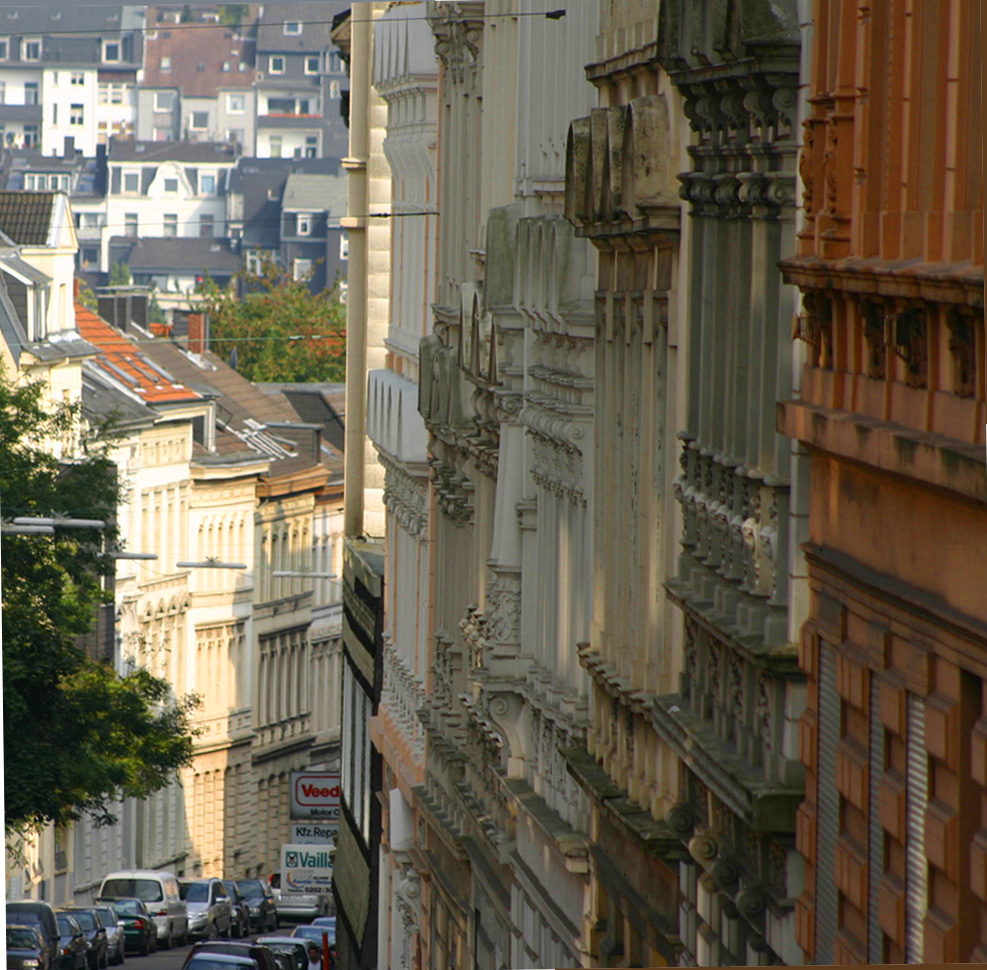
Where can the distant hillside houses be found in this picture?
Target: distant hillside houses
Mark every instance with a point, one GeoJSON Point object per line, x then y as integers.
{"type": "Point", "coordinates": [161, 130]}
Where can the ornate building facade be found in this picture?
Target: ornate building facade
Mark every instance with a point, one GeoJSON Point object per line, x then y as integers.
{"type": "Point", "coordinates": [892, 413]}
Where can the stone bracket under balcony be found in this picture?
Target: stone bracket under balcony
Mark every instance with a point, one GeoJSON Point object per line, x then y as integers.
{"type": "Point", "coordinates": [656, 838]}
{"type": "Point", "coordinates": [763, 806]}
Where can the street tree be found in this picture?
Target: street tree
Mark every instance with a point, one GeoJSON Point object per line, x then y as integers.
{"type": "Point", "coordinates": [78, 735]}
{"type": "Point", "coordinates": [281, 330]}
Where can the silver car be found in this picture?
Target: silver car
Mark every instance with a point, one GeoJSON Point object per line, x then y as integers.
{"type": "Point", "coordinates": [299, 906]}
{"type": "Point", "coordinates": [210, 912]}
{"type": "Point", "coordinates": [115, 936]}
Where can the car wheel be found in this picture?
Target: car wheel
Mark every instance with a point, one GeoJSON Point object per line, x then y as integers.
{"type": "Point", "coordinates": [145, 947]}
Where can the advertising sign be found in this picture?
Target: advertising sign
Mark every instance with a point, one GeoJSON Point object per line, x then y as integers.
{"type": "Point", "coordinates": [306, 869]}
{"type": "Point", "coordinates": [314, 834]}
{"type": "Point", "coordinates": [315, 796]}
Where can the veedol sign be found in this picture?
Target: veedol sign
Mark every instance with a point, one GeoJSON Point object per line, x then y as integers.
{"type": "Point", "coordinates": [315, 795]}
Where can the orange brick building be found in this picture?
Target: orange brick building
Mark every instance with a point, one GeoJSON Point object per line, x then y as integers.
{"type": "Point", "coordinates": [892, 412]}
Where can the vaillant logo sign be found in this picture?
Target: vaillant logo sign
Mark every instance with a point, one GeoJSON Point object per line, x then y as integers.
{"type": "Point", "coordinates": [315, 795]}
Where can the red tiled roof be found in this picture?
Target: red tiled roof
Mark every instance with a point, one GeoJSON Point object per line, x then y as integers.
{"type": "Point", "coordinates": [122, 360]}
{"type": "Point", "coordinates": [191, 48]}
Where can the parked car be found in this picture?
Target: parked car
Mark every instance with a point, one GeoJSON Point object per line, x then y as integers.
{"type": "Point", "coordinates": [291, 945]}
{"type": "Point", "coordinates": [261, 955]}
{"type": "Point", "coordinates": [30, 912]}
{"type": "Point", "coordinates": [95, 932]}
{"type": "Point", "coordinates": [328, 921]}
{"type": "Point", "coordinates": [159, 890]}
{"type": "Point", "coordinates": [210, 913]}
{"type": "Point", "coordinates": [116, 939]}
{"type": "Point", "coordinates": [300, 906]}
{"type": "Point", "coordinates": [139, 930]}
{"type": "Point", "coordinates": [25, 947]}
{"type": "Point", "coordinates": [305, 931]}
{"type": "Point", "coordinates": [241, 909]}
{"type": "Point", "coordinates": [72, 940]}
{"type": "Point", "coordinates": [263, 906]}
{"type": "Point", "coordinates": [219, 961]}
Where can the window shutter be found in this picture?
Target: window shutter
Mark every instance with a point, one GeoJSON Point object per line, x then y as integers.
{"type": "Point", "coordinates": [917, 865]}
{"type": "Point", "coordinates": [828, 806]}
{"type": "Point", "coordinates": [875, 867]}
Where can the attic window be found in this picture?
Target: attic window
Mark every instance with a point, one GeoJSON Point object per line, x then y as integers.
{"type": "Point", "coordinates": [292, 27]}
{"type": "Point", "coordinates": [166, 63]}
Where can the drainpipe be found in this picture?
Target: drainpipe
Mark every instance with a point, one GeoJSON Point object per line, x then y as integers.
{"type": "Point", "coordinates": [358, 204]}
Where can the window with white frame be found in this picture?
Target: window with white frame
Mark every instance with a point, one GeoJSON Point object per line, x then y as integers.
{"type": "Point", "coordinates": [207, 184]}
{"type": "Point", "coordinates": [31, 92]}
{"type": "Point", "coordinates": [130, 225]}
{"type": "Point", "coordinates": [236, 104]}
{"type": "Point", "coordinates": [334, 90]}
{"type": "Point", "coordinates": [275, 64]}
{"type": "Point", "coordinates": [111, 52]}
{"type": "Point", "coordinates": [170, 228]}
{"type": "Point", "coordinates": [77, 116]}
{"type": "Point", "coordinates": [292, 28]}
{"type": "Point", "coordinates": [164, 101]}
{"type": "Point", "coordinates": [31, 136]}
{"type": "Point", "coordinates": [304, 224]}
{"type": "Point", "coordinates": [166, 63]}
{"type": "Point", "coordinates": [171, 186]}
{"type": "Point", "coordinates": [207, 224]}
{"type": "Point", "coordinates": [131, 182]}
{"type": "Point", "coordinates": [312, 65]}
{"type": "Point", "coordinates": [31, 48]}
{"type": "Point", "coordinates": [301, 268]}
{"type": "Point", "coordinates": [78, 78]}
{"type": "Point", "coordinates": [311, 146]}
{"type": "Point", "coordinates": [276, 143]}
{"type": "Point", "coordinates": [344, 246]}
{"type": "Point", "coordinates": [199, 121]}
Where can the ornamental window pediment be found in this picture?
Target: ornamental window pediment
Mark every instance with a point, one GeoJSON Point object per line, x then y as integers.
{"type": "Point", "coordinates": [617, 169]}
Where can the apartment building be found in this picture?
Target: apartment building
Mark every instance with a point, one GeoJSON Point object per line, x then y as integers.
{"type": "Point", "coordinates": [197, 84]}
{"type": "Point", "coordinates": [891, 411]}
{"type": "Point", "coordinates": [299, 82]}
{"type": "Point", "coordinates": [68, 78]}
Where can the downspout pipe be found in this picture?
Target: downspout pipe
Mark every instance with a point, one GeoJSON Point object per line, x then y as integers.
{"type": "Point", "coordinates": [358, 204]}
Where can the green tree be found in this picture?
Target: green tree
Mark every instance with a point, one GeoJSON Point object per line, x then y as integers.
{"type": "Point", "coordinates": [77, 735]}
{"type": "Point", "coordinates": [233, 13]}
{"type": "Point", "coordinates": [280, 329]}
{"type": "Point", "coordinates": [120, 275]}
{"type": "Point", "coordinates": [155, 313]}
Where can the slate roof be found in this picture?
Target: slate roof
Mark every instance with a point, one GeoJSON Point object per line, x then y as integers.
{"type": "Point", "coordinates": [125, 150]}
{"type": "Point", "coordinates": [178, 254]}
{"type": "Point", "coordinates": [197, 53]}
{"type": "Point", "coordinates": [124, 361]}
{"type": "Point", "coordinates": [315, 193]}
{"type": "Point", "coordinates": [26, 216]}
{"type": "Point", "coordinates": [315, 18]}
{"type": "Point", "coordinates": [256, 179]}
{"type": "Point", "coordinates": [244, 412]}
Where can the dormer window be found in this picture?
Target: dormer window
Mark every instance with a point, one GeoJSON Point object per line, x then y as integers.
{"type": "Point", "coordinates": [32, 49]}
{"type": "Point", "coordinates": [304, 224]}
{"type": "Point", "coordinates": [311, 65]}
{"type": "Point", "coordinates": [292, 28]}
{"type": "Point", "coordinates": [111, 52]}
{"type": "Point", "coordinates": [4, 48]}
{"type": "Point", "coordinates": [276, 65]}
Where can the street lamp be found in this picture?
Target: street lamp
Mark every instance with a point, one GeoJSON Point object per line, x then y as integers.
{"type": "Point", "coordinates": [301, 574]}
{"type": "Point", "coordinates": [61, 523]}
{"type": "Point", "coordinates": [211, 562]}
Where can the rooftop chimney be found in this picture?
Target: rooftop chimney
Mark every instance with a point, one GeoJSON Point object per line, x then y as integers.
{"type": "Point", "coordinates": [197, 333]}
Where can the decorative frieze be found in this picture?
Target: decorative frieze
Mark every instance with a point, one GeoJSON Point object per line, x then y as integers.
{"type": "Point", "coordinates": [406, 497]}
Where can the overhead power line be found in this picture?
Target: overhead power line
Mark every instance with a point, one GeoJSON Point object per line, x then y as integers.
{"type": "Point", "coordinates": [170, 25]}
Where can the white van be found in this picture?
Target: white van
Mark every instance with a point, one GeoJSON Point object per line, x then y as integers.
{"type": "Point", "coordinates": [160, 893]}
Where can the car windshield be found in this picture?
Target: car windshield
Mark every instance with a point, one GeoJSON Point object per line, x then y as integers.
{"type": "Point", "coordinates": [251, 888]}
{"type": "Point", "coordinates": [195, 892]}
{"type": "Point", "coordinates": [22, 938]}
{"type": "Point", "coordinates": [67, 926]}
{"type": "Point", "coordinates": [147, 889]}
{"type": "Point", "coordinates": [108, 917]}
{"type": "Point", "coordinates": [86, 920]}
{"type": "Point", "coordinates": [128, 907]}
